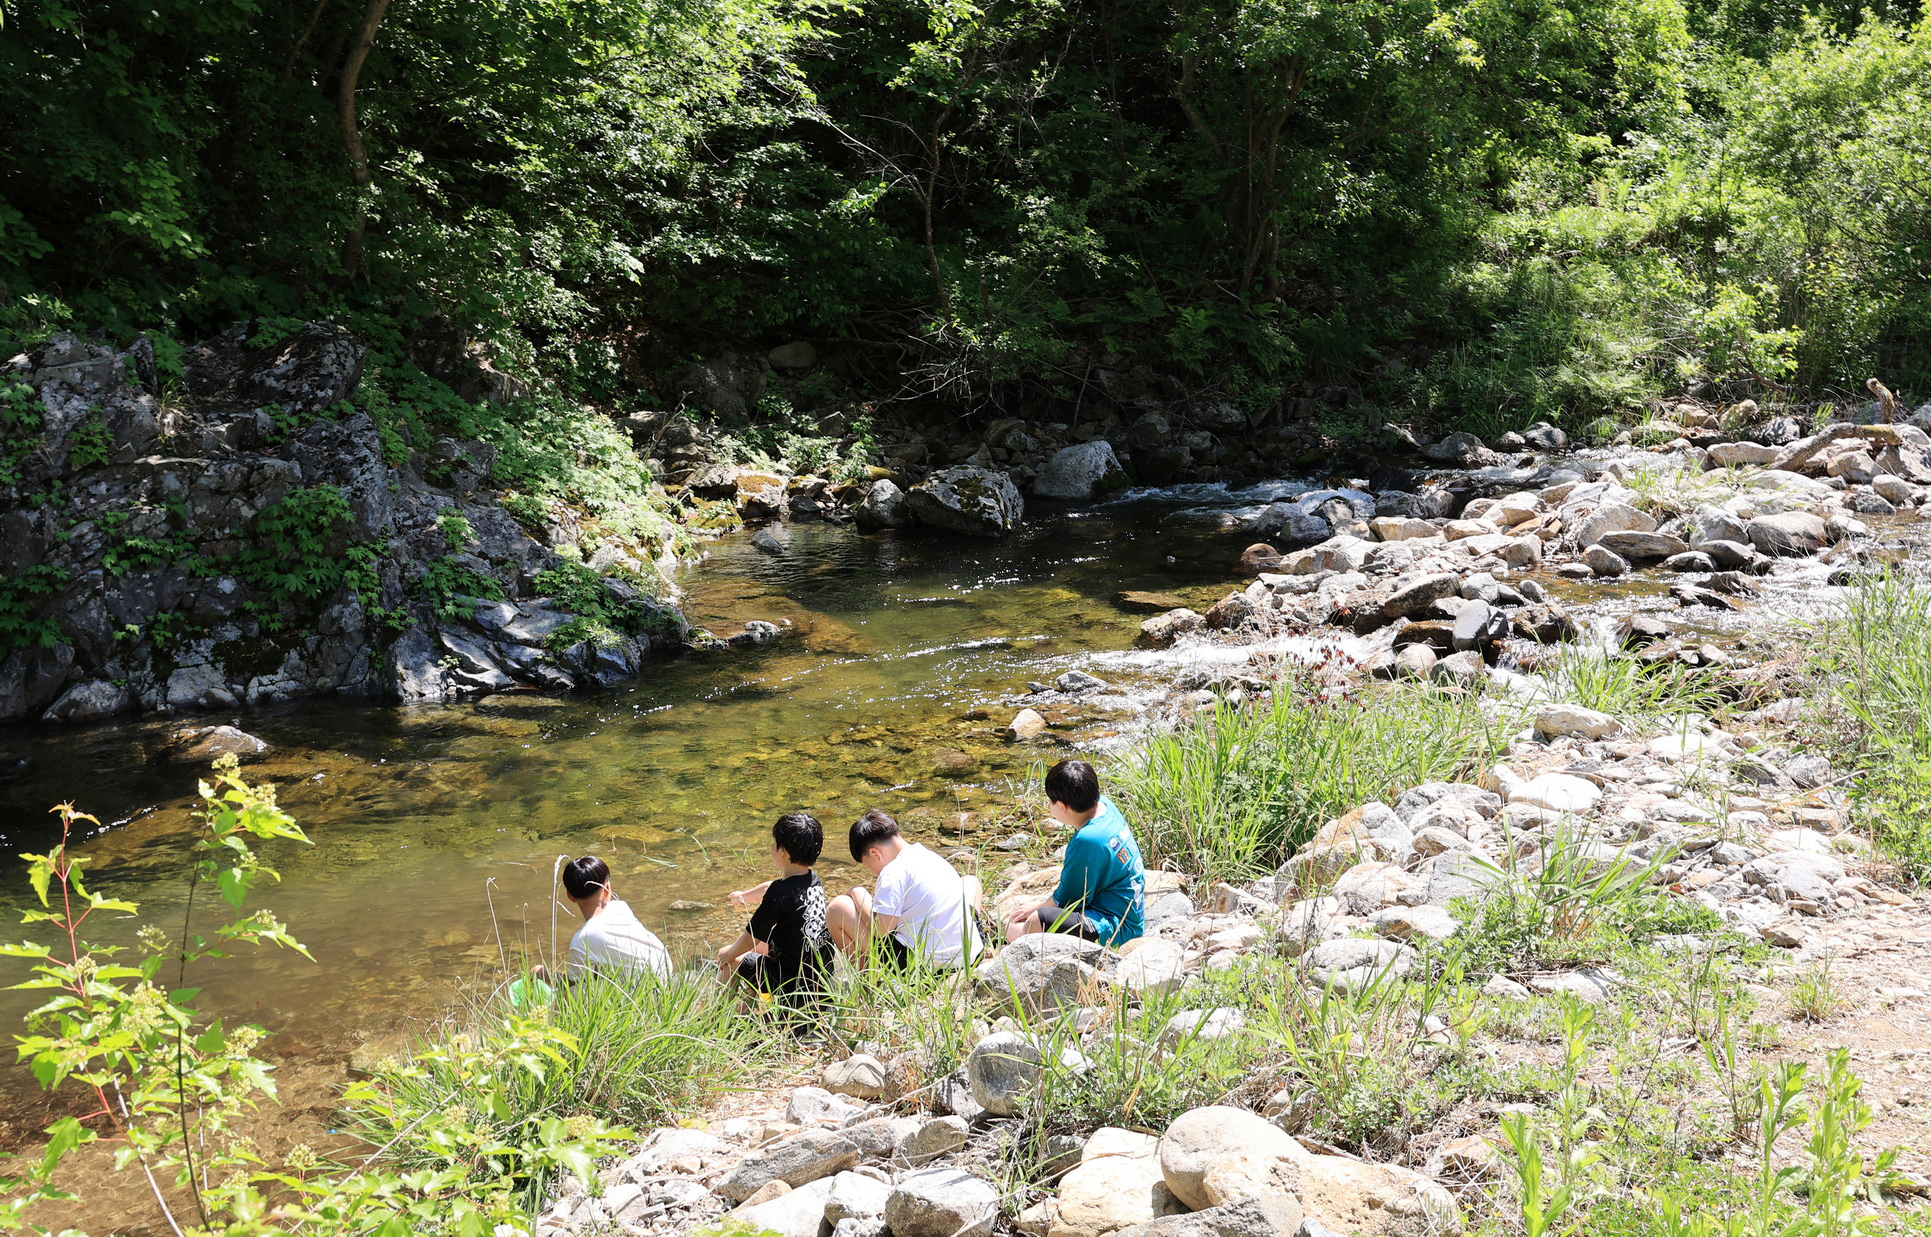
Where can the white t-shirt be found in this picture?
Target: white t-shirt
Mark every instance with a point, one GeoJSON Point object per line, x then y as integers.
{"type": "Point", "coordinates": [613, 942]}
{"type": "Point", "coordinates": [921, 888]}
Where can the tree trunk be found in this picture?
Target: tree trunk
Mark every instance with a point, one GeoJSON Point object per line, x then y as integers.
{"type": "Point", "coordinates": [352, 136]}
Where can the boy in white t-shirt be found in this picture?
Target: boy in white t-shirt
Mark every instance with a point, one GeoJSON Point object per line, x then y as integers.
{"type": "Point", "coordinates": [611, 941]}
{"type": "Point", "coordinates": [923, 909]}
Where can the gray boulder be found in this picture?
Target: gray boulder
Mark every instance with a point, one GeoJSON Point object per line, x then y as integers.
{"type": "Point", "coordinates": [1002, 1070]}
{"type": "Point", "coordinates": [1641, 547]}
{"type": "Point", "coordinates": [1087, 470]}
{"type": "Point", "coordinates": [797, 1160]}
{"type": "Point", "coordinates": [883, 506]}
{"type": "Point", "coordinates": [975, 501]}
{"type": "Point", "coordinates": [1788, 533]}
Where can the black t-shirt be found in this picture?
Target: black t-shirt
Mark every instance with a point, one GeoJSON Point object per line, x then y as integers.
{"type": "Point", "coordinates": [791, 919]}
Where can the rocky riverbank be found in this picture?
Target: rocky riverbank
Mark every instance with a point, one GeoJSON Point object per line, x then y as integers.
{"type": "Point", "coordinates": [1731, 817]}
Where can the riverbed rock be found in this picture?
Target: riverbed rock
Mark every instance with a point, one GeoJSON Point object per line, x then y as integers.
{"type": "Point", "coordinates": [1355, 964]}
{"type": "Point", "coordinates": [1641, 547]}
{"type": "Point", "coordinates": [1043, 971]}
{"type": "Point", "coordinates": [1202, 1137]}
{"type": "Point", "coordinates": [861, 1076]}
{"type": "Point", "coordinates": [794, 1213]}
{"type": "Point", "coordinates": [1604, 562]}
{"type": "Point", "coordinates": [1788, 533]}
{"type": "Point", "coordinates": [884, 506]}
{"type": "Point", "coordinates": [203, 744]}
{"type": "Point", "coordinates": [1739, 454]}
{"type": "Point", "coordinates": [89, 701]}
{"type": "Point", "coordinates": [1612, 518]}
{"type": "Point", "coordinates": [941, 1202]}
{"type": "Point", "coordinates": [1002, 1069]}
{"type": "Point", "coordinates": [975, 501]}
{"type": "Point", "coordinates": [1085, 470]}
{"type": "Point", "coordinates": [1162, 630]}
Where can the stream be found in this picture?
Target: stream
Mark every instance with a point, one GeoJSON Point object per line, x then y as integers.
{"type": "Point", "coordinates": [436, 831]}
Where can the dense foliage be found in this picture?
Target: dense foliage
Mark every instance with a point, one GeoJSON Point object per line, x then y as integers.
{"type": "Point", "coordinates": [1486, 209]}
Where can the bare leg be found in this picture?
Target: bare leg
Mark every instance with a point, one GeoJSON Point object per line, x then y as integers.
{"type": "Point", "coordinates": [849, 919]}
{"type": "Point", "coordinates": [1029, 924]}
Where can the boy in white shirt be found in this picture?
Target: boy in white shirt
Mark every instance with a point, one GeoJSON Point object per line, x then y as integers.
{"type": "Point", "coordinates": [611, 941]}
{"type": "Point", "coordinates": [923, 909]}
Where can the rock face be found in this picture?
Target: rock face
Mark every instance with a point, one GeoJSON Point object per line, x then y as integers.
{"type": "Point", "coordinates": [975, 501]}
{"type": "Point", "coordinates": [261, 545]}
{"type": "Point", "coordinates": [1089, 470]}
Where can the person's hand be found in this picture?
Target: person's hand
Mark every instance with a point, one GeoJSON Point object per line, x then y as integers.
{"type": "Point", "coordinates": [738, 898]}
{"type": "Point", "coordinates": [762, 949]}
{"type": "Point", "coordinates": [1021, 916]}
{"type": "Point", "coordinates": [541, 974]}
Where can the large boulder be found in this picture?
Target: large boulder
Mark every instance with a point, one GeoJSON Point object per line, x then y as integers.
{"type": "Point", "coordinates": [1788, 533]}
{"type": "Point", "coordinates": [1002, 1069]}
{"type": "Point", "coordinates": [1356, 963]}
{"type": "Point", "coordinates": [1117, 1184]}
{"type": "Point", "coordinates": [1203, 1137]}
{"type": "Point", "coordinates": [729, 385]}
{"type": "Point", "coordinates": [1612, 518]}
{"type": "Point", "coordinates": [941, 1202]}
{"type": "Point", "coordinates": [884, 506]}
{"type": "Point", "coordinates": [1641, 547]}
{"type": "Point", "coordinates": [975, 501]}
{"type": "Point", "coordinates": [304, 373]}
{"type": "Point", "coordinates": [1087, 470]}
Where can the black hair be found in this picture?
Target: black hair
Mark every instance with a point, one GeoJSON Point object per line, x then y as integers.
{"type": "Point", "coordinates": [1073, 783]}
{"type": "Point", "coordinates": [872, 829]}
{"type": "Point", "coordinates": [800, 836]}
{"type": "Point", "coordinates": [585, 875]}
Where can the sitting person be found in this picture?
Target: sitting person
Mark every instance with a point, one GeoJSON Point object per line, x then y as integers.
{"type": "Point", "coordinates": [923, 909]}
{"type": "Point", "coordinates": [1102, 884]}
{"type": "Point", "coordinates": [611, 941]}
{"type": "Point", "coordinates": [785, 950]}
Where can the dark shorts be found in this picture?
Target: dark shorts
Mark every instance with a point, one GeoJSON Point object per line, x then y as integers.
{"type": "Point", "coordinates": [893, 952]}
{"type": "Point", "coordinates": [757, 971]}
{"type": "Point", "coordinates": [1071, 923]}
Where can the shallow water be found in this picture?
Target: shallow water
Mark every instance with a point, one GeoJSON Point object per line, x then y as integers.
{"type": "Point", "coordinates": [436, 830]}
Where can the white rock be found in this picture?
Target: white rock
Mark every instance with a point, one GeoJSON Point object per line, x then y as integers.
{"type": "Point", "coordinates": [1557, 792]}
{"type": "Point", "coordinates": [1556, 721]}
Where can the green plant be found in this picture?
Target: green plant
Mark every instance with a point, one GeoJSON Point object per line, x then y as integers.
{"type": "Point", "coordinates": [20, 425]}
{"type": "Point", "coordinates": [1812, 994]}
{"type": "Point", "coordinates": [90, 444]}
{"type": "Point", "coordinates": [603, 612]}
{"type": "Point", "coordinates": [452, 588]}
{"type": "Point", "coordinates": [1237, 790]}
{"type": "Point", "coordinates": [22, 626]}
{"type": "Point", "coordinates": [1877, 664]}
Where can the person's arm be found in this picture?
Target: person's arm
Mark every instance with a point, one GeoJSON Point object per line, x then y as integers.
{"type": "Point", "coordinates": [750, 897]}
{"type": "Point", "coordinates": [727, 957]}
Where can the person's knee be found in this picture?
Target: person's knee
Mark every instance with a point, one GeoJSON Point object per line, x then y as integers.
{"type": "Point", "coordinates": [1025, 927]}
{"type": "Point", "coordinates": [842, 921]}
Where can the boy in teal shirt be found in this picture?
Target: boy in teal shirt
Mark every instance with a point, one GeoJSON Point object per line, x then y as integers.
{"type": "Point", "coordinates": [1102, 885]}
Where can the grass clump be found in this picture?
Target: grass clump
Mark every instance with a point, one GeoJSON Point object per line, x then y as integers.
{"type": "Point", "coordinates": [1234, 792]}
{"type": "Point", "coordinates": [635, 1051]}
{"type": "Point", "coordinates": [1879, 675]}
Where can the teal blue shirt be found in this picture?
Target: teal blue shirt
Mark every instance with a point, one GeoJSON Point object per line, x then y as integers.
{"type": "Point", "coordinates": [1103, 877]}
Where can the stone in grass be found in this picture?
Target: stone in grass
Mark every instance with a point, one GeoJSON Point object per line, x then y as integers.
{"type": "Point", "coordinates": [855, 1196]}
{"type": "Point", "coordinates": [1347, 1195]}
{"type": "Point", "coordinates": [1156, 968]}
{"type": "Point", "coordinates": [1506, 989]}
{"type": "Point", "coordinates": [797, 1160]}
{"type": "Point", "coordinates": [936, 1137]}
{"type": "Point", "coordinates": [1591, 987]}
{"type": "Point", "coordinates": [1557, 721]}
{"type": "Point", "coordinates": [941, 1202]}
{"type": "Point", "coordinates": [1200, 1026]}
{"type": "Point", "coordinates": [1002, 1069]}
{"type": "Point", "coordinates": [860, 1076]}
{"type": "Point", "coordinates": [796, 1213]}
{"type": "Point", "coordinates": [1414, 923]}
{"type": "Point", "coordinates": [1202, 1137]}
{"type": "Point", "coordinates": [1558, 792]}
{"type": "Point", "coordinates": [1354, 964]}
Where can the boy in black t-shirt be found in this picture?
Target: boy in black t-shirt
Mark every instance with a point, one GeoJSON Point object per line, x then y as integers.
{"type": "Point", "coordinates": [786, 949]}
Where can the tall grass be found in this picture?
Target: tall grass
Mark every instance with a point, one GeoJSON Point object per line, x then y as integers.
{"type": "Point", "coordinates": [634, 1052]}
{"type": "Point", "coordinates": [1235, 792]}
{"type": "Point", "coordinates": [1625, 688]}
{"type": "Point", "coordinates": [1881, 676]}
